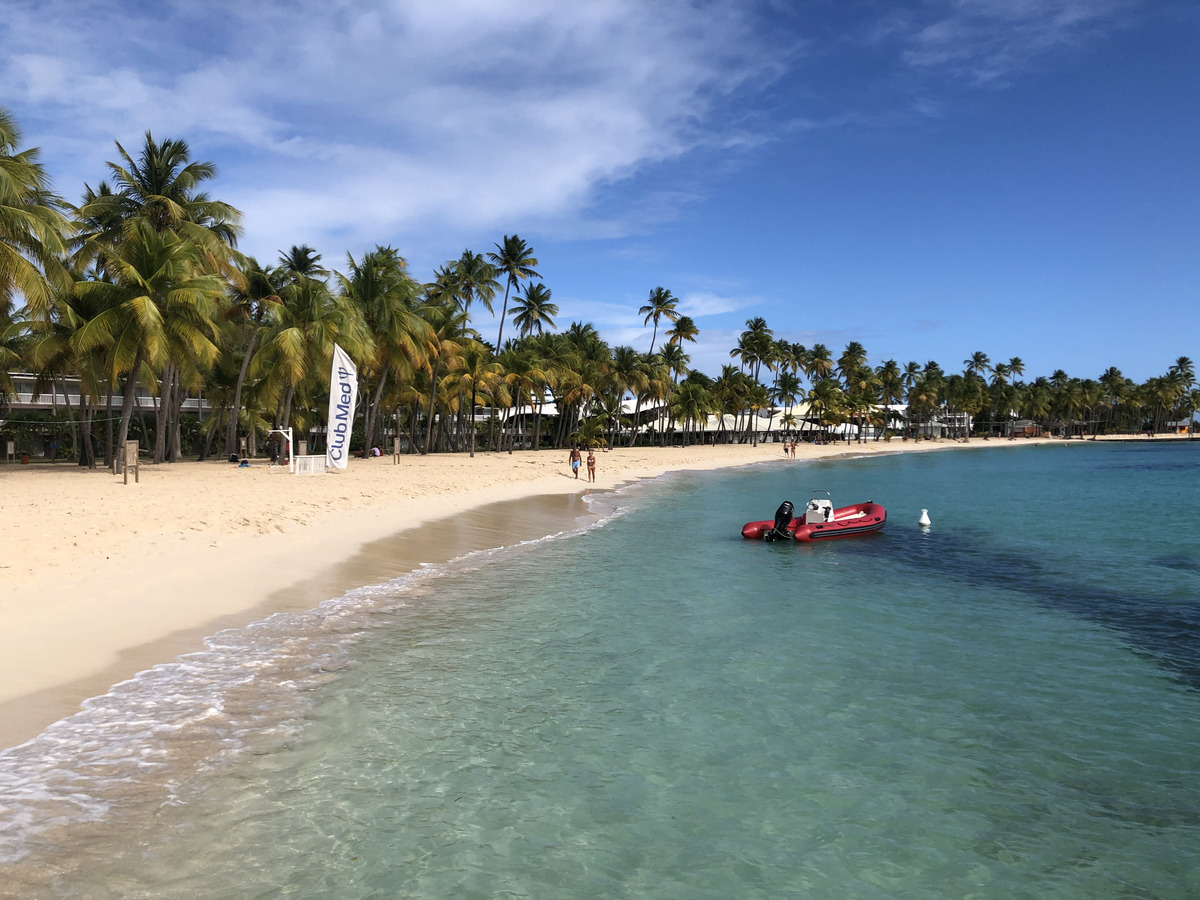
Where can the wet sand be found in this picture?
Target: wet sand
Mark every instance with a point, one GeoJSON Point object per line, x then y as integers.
{"type": "Point", "coordinates": [496, 525]}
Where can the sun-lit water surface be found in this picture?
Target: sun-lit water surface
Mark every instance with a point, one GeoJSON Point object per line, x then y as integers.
{"type": "Point", "coordinates": [1003, 705]}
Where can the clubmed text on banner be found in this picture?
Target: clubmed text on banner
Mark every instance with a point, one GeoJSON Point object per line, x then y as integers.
{"type": "Point", "coordinates": [343, 394]}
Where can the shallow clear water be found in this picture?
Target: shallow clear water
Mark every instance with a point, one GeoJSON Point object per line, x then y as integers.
{"type": "Point", "coordinates": [1003, 705]}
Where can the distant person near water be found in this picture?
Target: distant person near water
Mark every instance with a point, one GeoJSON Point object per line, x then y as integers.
{"type": "Point", "coordinates": [591, 461]}
{"type": "Point", "coordinates": [574, 460]}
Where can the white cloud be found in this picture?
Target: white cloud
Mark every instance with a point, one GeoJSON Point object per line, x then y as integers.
{"type": "Point", "coordinates": [699, 304]}
{"type": "Point", "coordinates": [357, 119]}
{"type": "Point", "coordinates": [987, 42]}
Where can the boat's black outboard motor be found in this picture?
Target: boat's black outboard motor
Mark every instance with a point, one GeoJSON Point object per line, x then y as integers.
{"type": "Point", "coordinates": [783, 518]}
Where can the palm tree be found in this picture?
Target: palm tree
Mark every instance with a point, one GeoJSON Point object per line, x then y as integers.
{"type": "Point", "coordinates": [862, 396]}
{"type": "Point", "coordinates": [853, 358]}
{"type": "Point", "coordinates": [379, 289]}
{"type": "Point", "coordinates": [924, 397]}
{"type": "Point", "coordinates": [534, 311]}
{"type": "Point", "coordinates": [296, 352]}
{"type": "Point", "coordinates": [756, 348]}
{"type": "Point", "coordinates": [660, 304]}
{"type": "Point", "coordinates": [1037, 401]}
{"type": "Point", "coordinates": [160, 192]}
{"type": "Point", "coordinates": [630, 373]}
{"type": "Point", "coordinates": [526, 381]}
{"type": "Point", "coordinates": [483, 376]}
{"type": "Point", "coordinates": [820, 362]}
{"type": "Point", "coordinates": [684, 329]}
{"type": "Point", "coordinates": [163, 300]}
{"type": "Point", "coordinates": [660, 386]}
{"type": "Point", "coordinates": [691, 405]}
{"type": "Point", "coordinates": [302, 261]}
{"type": "Point", "coordinates": [589, 434]}
{"type": "Point", "coordinates": [162, 187]}
{"type": "Point", "coordinates": [53, 349]}
{"type": "Point", "coordinates": [474, 280]}
{"type": "Point", "coordinates": [728, 392]}
{"type": "Point", "coordinates": [448, 325]}
{"type": "Point", "coordinates": [787, 391]}
{"type": "Point", "coordinates": [515, 262]}
{"type": "Point", "coordinates": [891, 388]}
{"type": "Point", "coordinates": [909, 378]}
{"type": "Point", "coordinates": [252, 293]}
{"type": "Point", "coordinates": [1113, 387]}
{"type": "Point", "coordinates": [31, 227]}
{"type": "Point", "coordinates": [612, 411]}
{"type": "Point", "coordinates": [675, 360]}
{"type": "Point", "coordinates": [13, 339]}
{"type": "Point", "coordinates": [825, 401]}
{"type": "Point", "coordinates": [1183, 374]}
{"type": "Point", "coordinates": [584, 362]}
{"type": "Point", "coordinates": [978, 363]}
{"type": "Point", "coordinates": [791, 357]}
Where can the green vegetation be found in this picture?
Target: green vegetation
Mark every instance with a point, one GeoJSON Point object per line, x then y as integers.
{"type": "Point", "coordinates": [141, 286]}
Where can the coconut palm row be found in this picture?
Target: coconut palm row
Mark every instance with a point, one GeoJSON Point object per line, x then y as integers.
{"type": "Point", "coordinates": [140, 286]}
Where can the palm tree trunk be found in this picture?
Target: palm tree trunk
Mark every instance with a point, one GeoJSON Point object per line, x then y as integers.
{"type": "Point", "coordinates": [108, 445]}
{"type": "Point", "coordinates": [373, 408]}
{"type": "Point", "coordinates": [87, 453]}
{"type": "Point", "coordinates": [637, 419]}
{"type": "Point", "coordinates": [503, 313]}
{"type": "Point", "coordinates": [131, 384]}
{"type": "Point", "coordinates": [231, 435]}
{"type": "Point", "coordinates": [179, 395]}
{"type": "Point", "coordinates": [472, 418]}
{"type": "Point", "coordinates": [414, 413]}
{"type": "Point", "coordinates": [432, 404]}
{"type": "Point", "coordinates": [161, 407]}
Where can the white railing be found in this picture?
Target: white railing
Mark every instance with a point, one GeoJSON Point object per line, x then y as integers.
{"type": "Point", "coordinates": [310, 465]}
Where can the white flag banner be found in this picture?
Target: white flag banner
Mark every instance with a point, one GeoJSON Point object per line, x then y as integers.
{"type": "Point", "coordinates": [343, 394]}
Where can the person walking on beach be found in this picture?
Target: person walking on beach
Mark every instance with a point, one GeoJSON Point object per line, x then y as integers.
{"type": "Point", "coordinates": [574, 461]}
{"type": "Point", "coordinates": [591, 461]}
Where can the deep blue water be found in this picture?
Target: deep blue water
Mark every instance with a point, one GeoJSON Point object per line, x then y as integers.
{"type": "Point", "coordinates": [1003, 705]}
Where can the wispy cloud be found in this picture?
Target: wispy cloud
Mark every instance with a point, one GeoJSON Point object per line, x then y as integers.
{"type": "Point", "coordinates": [361, 119]}
{"type": "Point", "coordinates": [700, 304]}
{"type": "Point", "coordinates": [988, 42]}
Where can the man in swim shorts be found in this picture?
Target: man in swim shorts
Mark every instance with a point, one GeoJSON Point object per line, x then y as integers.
{"type": "Point", "coordinates": [574, 460]}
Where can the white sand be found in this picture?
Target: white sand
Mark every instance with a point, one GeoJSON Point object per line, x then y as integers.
{"type": "Point", "coordinates": [100, 580]}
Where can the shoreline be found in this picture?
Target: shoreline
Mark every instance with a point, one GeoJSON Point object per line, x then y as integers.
{"type": "Point", "coordinates": [102, 580]}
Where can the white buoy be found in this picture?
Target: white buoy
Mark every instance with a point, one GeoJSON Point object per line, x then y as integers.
{"type": "Point", "coordinates": [924, 520]}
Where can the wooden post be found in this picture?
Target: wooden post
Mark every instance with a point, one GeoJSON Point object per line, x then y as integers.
{"type": "Point", "coordinates": [131, 459]}
{"type": "Point", "coordinates": [395, 451]}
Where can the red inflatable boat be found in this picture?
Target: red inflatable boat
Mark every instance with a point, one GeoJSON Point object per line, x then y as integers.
{"type": "Point", "coordinates": [819, 522]}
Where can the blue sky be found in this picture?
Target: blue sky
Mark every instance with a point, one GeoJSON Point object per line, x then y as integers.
{"type": "Point", "coordinates": [934, 178]}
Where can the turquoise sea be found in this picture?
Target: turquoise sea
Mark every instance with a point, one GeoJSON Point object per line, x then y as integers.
{"type": "Point", "coordinates": [1004, 705]}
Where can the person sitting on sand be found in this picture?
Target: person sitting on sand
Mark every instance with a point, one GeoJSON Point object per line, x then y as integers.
{"type": "Point", "coordinates": [573, 459]}
{"type": "Point", "coordinates": [591, 461]}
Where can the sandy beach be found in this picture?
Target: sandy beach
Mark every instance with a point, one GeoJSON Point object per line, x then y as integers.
{"type": "Point", "coordinates": [100, 579]}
